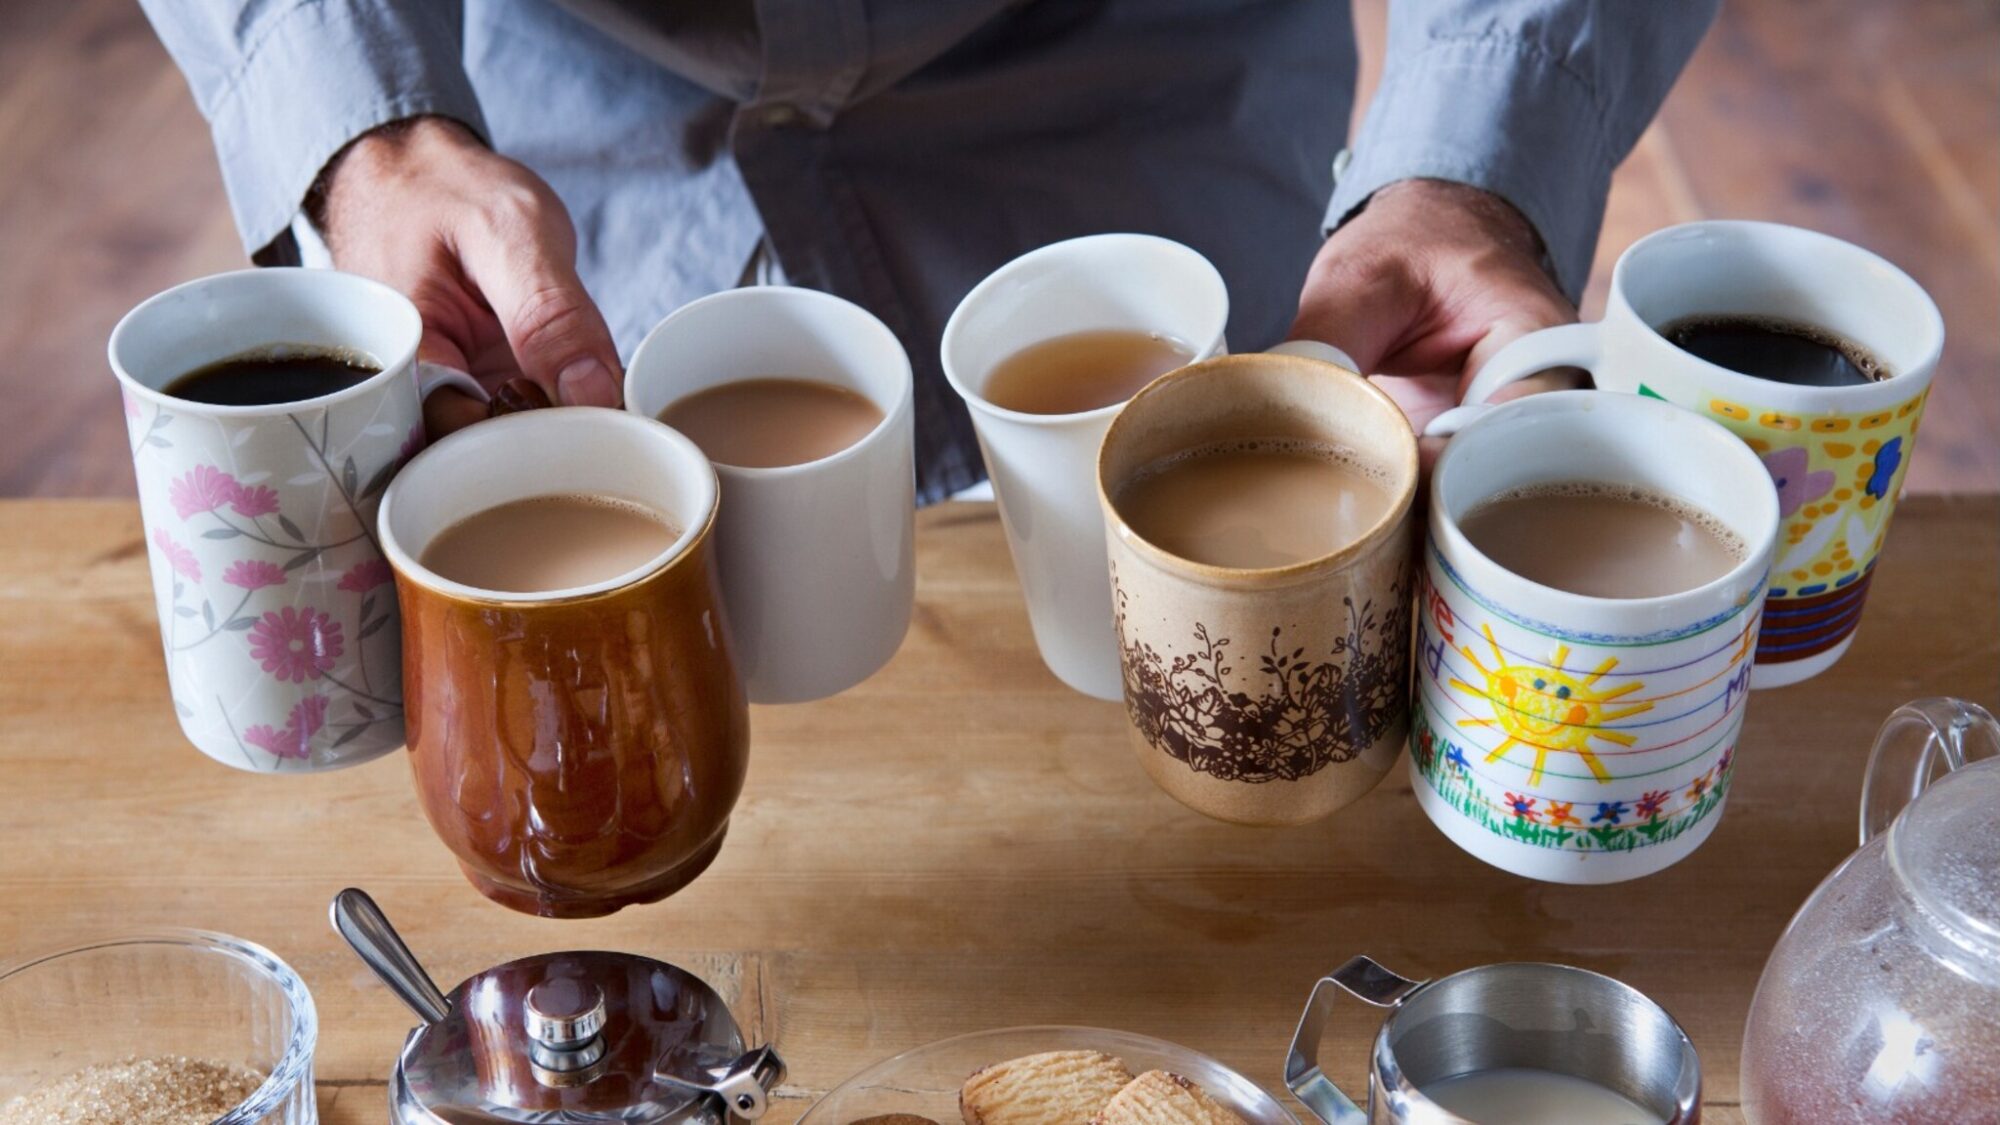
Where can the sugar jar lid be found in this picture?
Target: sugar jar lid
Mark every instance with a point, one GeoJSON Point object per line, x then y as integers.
{"type": "Point", "coordinates": [577, 1037]}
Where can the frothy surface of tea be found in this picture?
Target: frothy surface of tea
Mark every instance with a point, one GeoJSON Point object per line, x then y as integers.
{"type": "Point", "coordinates": [1603, 541]}
{"type": "Point", "coordinates": [1781, 351]}
{"type": "Point", "coordinates": [1519, 1095]}
{"type": "Point", "coordinates": [1253, 505]}
{"type": "Point", "coordinates": [1082, 371]}
{"type": "Point", "coordinates": [268, 378]}
{"type": "Point", "coordinates": [773, 422]}
{"type": "Point", "coordinates": [548, 543]}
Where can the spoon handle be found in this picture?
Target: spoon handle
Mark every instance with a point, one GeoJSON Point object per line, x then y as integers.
{"type": "Point", "coordinates": [357, 919]}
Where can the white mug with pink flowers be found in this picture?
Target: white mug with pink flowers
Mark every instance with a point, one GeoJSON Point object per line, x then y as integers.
{"type": "Point", "coordinates": [277, 610]}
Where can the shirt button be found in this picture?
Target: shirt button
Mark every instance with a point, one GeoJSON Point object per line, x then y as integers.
{"type": "Point", "coordinates": [780, 115]}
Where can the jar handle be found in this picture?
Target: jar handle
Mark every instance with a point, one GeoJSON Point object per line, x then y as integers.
{"type": "Point", "coordinates": [1918, 738]}
{"type": "Point", "coordinates": [1362, 978]}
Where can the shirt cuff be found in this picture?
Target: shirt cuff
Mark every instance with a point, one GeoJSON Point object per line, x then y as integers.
{"type": "Point", "coordinates": [319, 76]}
{"type": "Point", "coordinates": [1498, 114]}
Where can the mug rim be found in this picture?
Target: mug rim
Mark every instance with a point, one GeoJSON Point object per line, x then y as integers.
{"type": "Point", "coordinates": [407, 566]}
{"type": "Point", "coordinates": [954, 325]}
{"type": "Point", "coordinates": [1450, 540]}
{"type": "Point", "coordinates": [1390, 1070]}
{"type": "Point", "coordinates": [1751, 387]}
{"type": "Point", "coordinates": [392, 367]}
{"type": "Point", "coordinates": [905, 391]}
{"type": "Point", "coordinates": [1406, 486]}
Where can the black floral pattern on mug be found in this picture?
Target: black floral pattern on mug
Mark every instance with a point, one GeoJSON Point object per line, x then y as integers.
{"type": "Point", "coordinates": [1311, 710]}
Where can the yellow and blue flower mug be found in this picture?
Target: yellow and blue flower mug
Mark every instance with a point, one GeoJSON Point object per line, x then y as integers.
{"type": "Point", "coordinates": [1838, 455]}
{"type": "Point", "coordinates": [1571, 738]}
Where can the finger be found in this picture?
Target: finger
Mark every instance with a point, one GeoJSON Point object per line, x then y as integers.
{"type": "Point", "coordinates": [1525, 316]}
{"type": "Point", "coordinates": [1358, 303]}
{"type": "Point", "coordinates": [448, 408]}
{"type": "Point", "coordinates": [524, 265]}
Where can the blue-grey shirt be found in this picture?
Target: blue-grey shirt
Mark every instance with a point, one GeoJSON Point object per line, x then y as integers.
{"type": "Point", "coordinates": [896, 151]}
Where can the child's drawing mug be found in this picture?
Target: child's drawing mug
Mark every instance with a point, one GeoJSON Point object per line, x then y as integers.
{"type": "Point", "coordinates": [1582, 739]}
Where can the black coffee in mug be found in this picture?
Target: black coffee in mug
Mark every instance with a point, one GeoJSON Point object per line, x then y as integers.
{"type": "Point", "coordinates": [269, 377]}
{"type": "Point", "coordinates": [1782, 351]}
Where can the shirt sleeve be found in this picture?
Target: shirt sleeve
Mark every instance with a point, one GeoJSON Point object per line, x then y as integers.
{"type": "Point", "coordinates": [1536, 101]}
{"type": "Point", "coordinates": [285, 84]}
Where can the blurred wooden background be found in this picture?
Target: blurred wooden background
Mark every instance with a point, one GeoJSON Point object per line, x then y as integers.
{"type": "Point", "coordinates": [1874, 120]}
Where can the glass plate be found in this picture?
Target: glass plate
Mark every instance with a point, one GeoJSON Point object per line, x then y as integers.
{"type": "Point", "coordinates": [925, 1081]}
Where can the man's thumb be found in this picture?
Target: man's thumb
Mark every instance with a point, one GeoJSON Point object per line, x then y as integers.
{"type": "Point", "coordinates": [559, 339]}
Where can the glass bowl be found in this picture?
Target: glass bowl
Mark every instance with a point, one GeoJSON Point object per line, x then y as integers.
{"type": "Point", "coordinates": [162, 992]}
{"type": "Point", "coordinates": [925, 1081]}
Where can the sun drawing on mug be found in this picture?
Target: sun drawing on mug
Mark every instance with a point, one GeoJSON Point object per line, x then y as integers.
{"type": "Point", "coordinates": [1545, 707]}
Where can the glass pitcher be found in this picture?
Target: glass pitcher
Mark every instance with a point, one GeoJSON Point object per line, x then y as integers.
{"type": "Point", "coordinates": [1881, 1001]}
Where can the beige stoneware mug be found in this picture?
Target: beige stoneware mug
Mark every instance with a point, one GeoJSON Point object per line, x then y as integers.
{"type": "Point", "coordinates": [1275, 695]}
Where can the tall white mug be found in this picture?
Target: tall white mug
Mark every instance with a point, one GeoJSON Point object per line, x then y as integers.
{"type": "Point", "coordinates": [818, 560]}
{"type": "Point", "coordinates": [1044, 466]}
{"type": "Point", "coordinates": [1838, 455]}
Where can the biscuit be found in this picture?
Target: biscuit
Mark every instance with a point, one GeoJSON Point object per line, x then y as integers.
{"type": "Point", "coordinates": [1159, 1097]}
{"type": "Point", "coordinates": [1052, 1088]}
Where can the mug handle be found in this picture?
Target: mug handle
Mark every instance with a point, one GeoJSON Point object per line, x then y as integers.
{"type": "Point", "coordinates": [1315, 349]}
{"type": "Point", "coordinates": [1565, 345]}
{"type": "Point", "coordinates": [1907, 750]}
{"type": "Point", "coordinates": [1366, 980]}
{"type": "Point", "coordinates": [433, 376]}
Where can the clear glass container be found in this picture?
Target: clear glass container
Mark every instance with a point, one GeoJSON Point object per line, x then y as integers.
{"type": "Point", "coordinates": [162, 992]}
{"type": "Point", "coordinates": [1881, 1001]}
{"type": "Point", "coordinates": [926, 1081]}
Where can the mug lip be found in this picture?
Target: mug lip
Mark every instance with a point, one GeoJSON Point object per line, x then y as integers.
{"type": "Point", "coordinates": [954, 326]}
{"type": "Point", "coordinates": [1753, 388]}
{"type": "Point", "coordinates": [407, 566]}
{"type": "Point", "coordinates": [905, 391]}
{"type": "Point", "coordinates": [393, 367]}
{"type": "Point", "coordinates": [1451, 541]}
{"type": "Point", "coordinates": [1407, 473]}
{"type": "Point", "coordinates": [1390, 1069]}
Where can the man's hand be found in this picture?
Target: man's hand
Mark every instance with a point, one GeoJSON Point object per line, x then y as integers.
{"type": "Point", "coordinates": [1424, 286]}
{"type": "Point", "coordinates": [486, 252]}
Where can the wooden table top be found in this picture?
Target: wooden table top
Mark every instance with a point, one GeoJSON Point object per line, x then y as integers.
{"type": "Point", "coordinates": [960, 843]}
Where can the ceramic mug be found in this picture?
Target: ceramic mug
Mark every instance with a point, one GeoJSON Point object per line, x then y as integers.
{"type": "Point", "coordinates": [1043, 465]}
{"type": "Point", "coordinates": [818, 559]}
{"type": "Point", "coordinates": [1838, 454]}
{"type": "Point", "coordinates": [274, 602]}
{"type": "Point", "coordinates": [1273, 695]}
{"type": "Point", "coordinates": [1580, 739]}
{"type": "Point", "coordinates": [1498, 1020]}
{"type": "Point", "coordinates": [578, 750]}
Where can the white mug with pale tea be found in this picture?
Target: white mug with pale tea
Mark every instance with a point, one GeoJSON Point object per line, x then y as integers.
{"type": "Point", "coordinates": [803, 403]}
{"type": "Point", "coordinates": [1133, 305]}
{"type": "Point", "coordinates": [268, 410]}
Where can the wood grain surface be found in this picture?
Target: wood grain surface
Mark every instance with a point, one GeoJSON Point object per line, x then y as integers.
{"type": "Point", "coordinates": [1875, 122]}
{"type": "Point", "coordinates": [959, 843]}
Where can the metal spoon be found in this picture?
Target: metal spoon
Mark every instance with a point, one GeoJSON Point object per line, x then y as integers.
{"type": "Point", "coordinates": [356, 918]}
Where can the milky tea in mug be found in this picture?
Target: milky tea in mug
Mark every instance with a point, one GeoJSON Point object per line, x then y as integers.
{"type": "Point", "coordinates": [1586, 622]}
{"type": "Point", "coordinates": [1257, 513]}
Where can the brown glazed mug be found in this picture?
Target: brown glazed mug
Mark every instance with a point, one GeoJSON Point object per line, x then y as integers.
{"type": "Point", "coordinates": [1275, 695]}
{"type": "Point", "coordinates": [578, 750]}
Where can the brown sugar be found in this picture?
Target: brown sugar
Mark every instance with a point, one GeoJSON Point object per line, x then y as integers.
{"type": "Point", "coordinates": [165, 1090]}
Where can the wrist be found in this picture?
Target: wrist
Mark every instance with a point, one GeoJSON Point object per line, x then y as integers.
{"type": "Point", "coordinates": [381, 152]}
{"type": "Point", "coordinates": [1499, 218]}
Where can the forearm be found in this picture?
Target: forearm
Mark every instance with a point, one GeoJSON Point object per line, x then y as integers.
{"type": "Point", "coordinates": [1536, 101]}
{"type": "Point", "coordinates": [285, 87]}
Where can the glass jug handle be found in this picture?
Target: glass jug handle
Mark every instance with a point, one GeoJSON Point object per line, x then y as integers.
{"type": "Point", "coordinates": [1367, 981]}
{"type": "Point", "coordinates": [1920, 741]}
